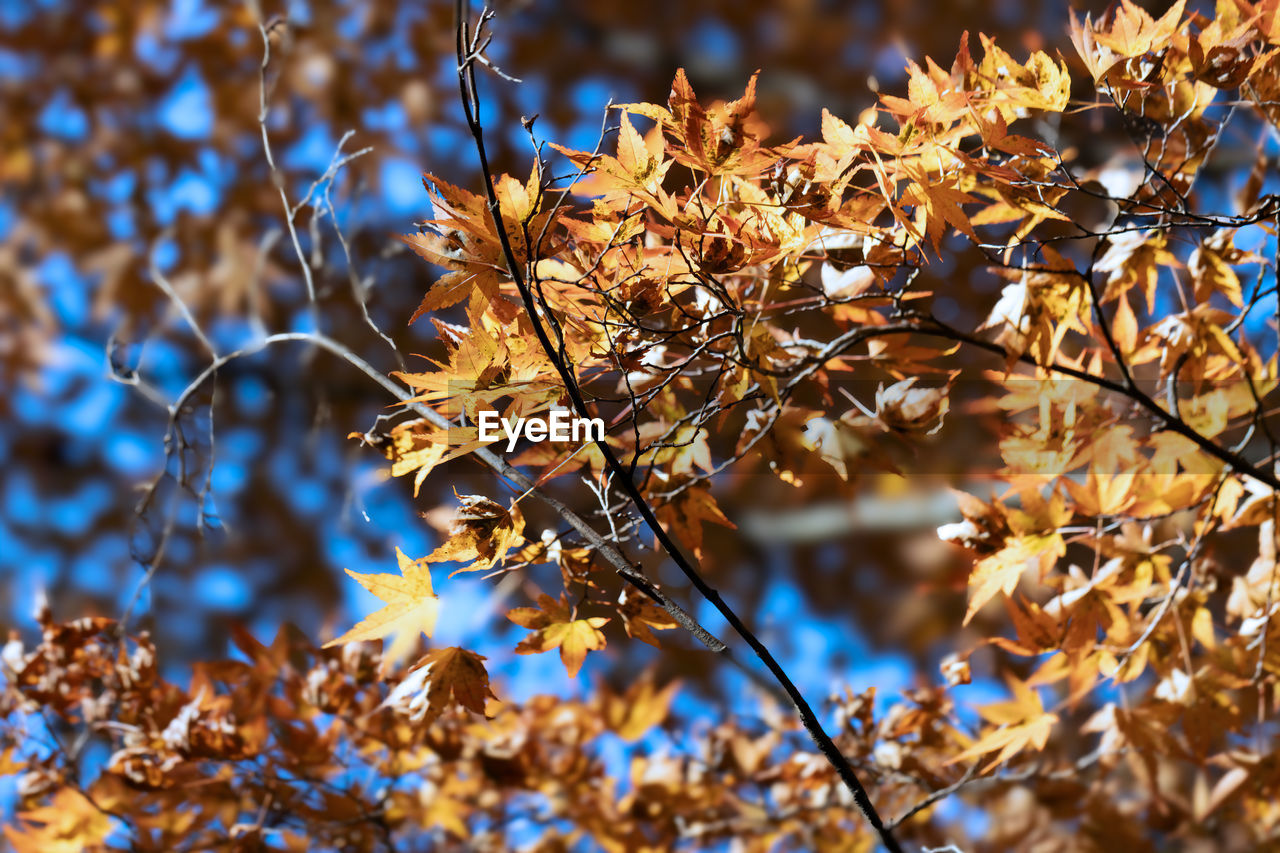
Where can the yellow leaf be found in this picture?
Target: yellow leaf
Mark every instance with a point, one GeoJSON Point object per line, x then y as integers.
{"type": "Point", "coordinates": [554, 627]}
{"type": "Point", "coordinates": [1022, 723]}
{"type": "Point", "coordinates": [68, 824]}
{"type": "Point", "coordinates": [640, 617]}
{"type": "Point", "coordinates": [411, 449]}
{"type": "Point", "coordinates": [412, 608]}
{"type": "Point", "coordinates": [639, 709]}
{"type": "Point", "coordinates": [482, 530]}
{"type": "Point", "coordinates": [1000, 571]}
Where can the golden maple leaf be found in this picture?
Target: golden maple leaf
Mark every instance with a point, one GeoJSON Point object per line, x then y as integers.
{"type": "Point", "coordinates": [482, 531]}
{"type": "Point", "coordinates": [1022, 721]}
{"type": "Point", "coordinates": [68, 824]}
{"type": "Point", "coordinates": [554, 626]}
{"type": "Point", "coordinates": [412, 608]}
{"type": "Point", "coordinates": [639, 709]}
{"type": "Point", "coordinates": [1000, 571]}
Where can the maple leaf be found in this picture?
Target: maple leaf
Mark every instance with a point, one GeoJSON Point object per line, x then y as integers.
{"type": "Point", "coordinates": [442, 677]}
{"type": "Point", "coordinates": [1001, 571]}
{"type": "Point", "coordinates": [631, 714]}
{"type": "Point", "coordinates": [637, 168]}
{"type": "Point", "coordinates": [1022, 723]}
{"type": "Point", "coordinates": [640, 616]}
{"type": "Point", "coordinates": [461, 239]}
{"type": "Point", "coordinates": [412, 608]}
{"type": "Point", "coordinates": [554, 626]}
{"type": "Point", "coordinates": [938, 203]}
{"type": "Point", "coordinates": [1209, 266]}
{"type": "Point", "coordinates": [932, 98]}
{"type": "Point", "coordinates": [1038, 632]}
{"type": "Point", "coordinates": [481, 531]}
{"type": "Point", "coordinates": [1133, 260]}
{"type": "Point", "coordinates": [685, 515]}
{"type": "Point", "coordinates": [70, 823]}
{"type": "Point", "coordinates": [410, 449]}
{"type": "Point", "coordinates": [720, 140]}
{"type": "Point", "coordinates": [1257, 507]}
{"type": "Point", "coordinates": [1035, 312]}
{"type": "Point", "coordinates": [842, 144]}
{"type": "Point", "coordinates": [1134, 32]}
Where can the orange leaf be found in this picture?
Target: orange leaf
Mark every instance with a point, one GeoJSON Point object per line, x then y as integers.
{"type": "Point", "coordinates": [482, 531]}
{"type": "Point", "coordinates": [442, 676]}
{"type": "Point", "coordinates": [1000, 571]}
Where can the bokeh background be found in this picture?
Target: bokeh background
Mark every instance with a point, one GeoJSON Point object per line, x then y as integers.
{"type": "Point", "coordinates": [131, 155]}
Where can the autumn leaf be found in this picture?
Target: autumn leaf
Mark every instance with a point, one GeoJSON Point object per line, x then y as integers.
{"type": "Point", "coordinates": [1038, 632]}
{"type": "Point", "coordinates": [719, 140]}
{"type": "Point", "coordinates": [481, 531]}
{"type": "Point", "coordinates": [938, 204]}
{"type": "Point", "coordinates": [641, 707]}
{"type": "Point", "coordinates": [440, 678]}
{"type": "Point", "coordinates": [411, 448]}
{"type": "Point", "coordinates": [641, 617]}
{"type": "Point", "coordinates": [554, 626]}
{"type": "Point", "coordinates": [636, 168]}
{"type": "Point", "coordinates": [412, 608]}
{"type": "Point", "coordinates": [70, 823]}
{"type": "Point", "coordinates": [1133, 260]}
{"type": "Point", "coordinates": [904, 407]}
{"type": "Point", "coordinates": [1022, 723]}
{"type": "Point", "coordinates": [1001, 571]}
{"type": "Point", "coordinates": [1210, 267]}
{"type": "Point", "coordinates": [1037, 310]}
{"type": "Point", "coordinates": [685, 515]}
{"type": "Point", "coordinates": [461, 239]}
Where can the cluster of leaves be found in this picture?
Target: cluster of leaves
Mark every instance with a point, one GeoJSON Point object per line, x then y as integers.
{"type": "Point", "coordinates": [290, 747]}
{"type": "Point", "coordinates": [740, 311]}
{"type": "Point", "coordinates": [720, 287]}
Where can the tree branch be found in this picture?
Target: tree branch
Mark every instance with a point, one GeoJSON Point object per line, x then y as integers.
{"type": "Point", "coordinates": [466, 55]}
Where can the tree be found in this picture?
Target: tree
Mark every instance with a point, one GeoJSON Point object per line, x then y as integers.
{"type": "Point", "coordinates": [758, 318]}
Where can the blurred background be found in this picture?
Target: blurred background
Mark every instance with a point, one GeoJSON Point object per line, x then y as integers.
{"type": "Point", "coordinates": [132, 160]}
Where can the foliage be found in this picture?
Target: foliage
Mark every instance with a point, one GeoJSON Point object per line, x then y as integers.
{"type": "Point", "coordinates": [751, 314]}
